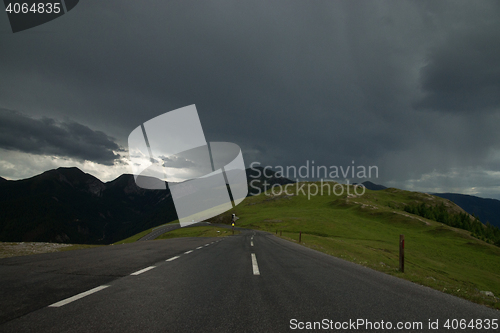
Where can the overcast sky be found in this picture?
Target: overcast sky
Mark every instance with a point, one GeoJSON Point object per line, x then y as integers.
{"type": "Point", "coordinates": [412, 87]}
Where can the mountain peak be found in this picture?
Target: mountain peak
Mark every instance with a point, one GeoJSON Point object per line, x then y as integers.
{"type": "Point", "coordinates": [122, 181]}
{"type": "Point", "coordinates": [65, 171]}
{"type": "Point", "coordinates": [70, 169]}
{"type": "Point", "coordinates": [73, 177]}
{"type": "Point", "coordinates": [372, 186]}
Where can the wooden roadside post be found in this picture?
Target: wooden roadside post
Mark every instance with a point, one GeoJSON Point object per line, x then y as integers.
{"type": "Point", "coordinates": [300, 237]}
{"type": "Point", "coordinates": [402, 253]}
{"type": "Point", "coordinates": [280, 232]}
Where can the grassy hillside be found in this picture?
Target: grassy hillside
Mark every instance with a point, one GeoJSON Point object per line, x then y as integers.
{"type": "Point", "coordinates": [366, 230]}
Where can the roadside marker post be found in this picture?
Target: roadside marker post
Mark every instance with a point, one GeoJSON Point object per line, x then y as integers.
{"type": "Point", "coordinates": [300, 237]}
{"type": "Point", "coordinates": [402, 253]}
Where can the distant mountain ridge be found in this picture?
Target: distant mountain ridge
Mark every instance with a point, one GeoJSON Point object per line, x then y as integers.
{"type": "Point", "coordinates": [372, 186]}
{"type": "Point", "coordinates": [487, 210]}
{"type": "Point", "coordinates": [256, 179]}
{"type": "Point", "coordinates": [67, 205]}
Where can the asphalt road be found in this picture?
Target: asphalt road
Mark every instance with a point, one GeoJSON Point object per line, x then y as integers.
{"type": "Point", "coordinates": [252, 282]}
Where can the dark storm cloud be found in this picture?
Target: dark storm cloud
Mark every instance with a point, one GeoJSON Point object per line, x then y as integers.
{"type": "Point", "coordinates": [290, 70]}
{"type": "Point", "coordinates": [287, 80]}
{"type": "Point", "coordinates": [463, 74]}
{"type": "Point", "coordinates": [47, 136]}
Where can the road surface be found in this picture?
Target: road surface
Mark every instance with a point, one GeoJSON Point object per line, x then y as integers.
{"type": "Point", "coordinates": [251, 282]}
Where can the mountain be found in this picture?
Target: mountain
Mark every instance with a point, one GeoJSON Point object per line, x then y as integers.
{"type": "Point", "coordinates": [66, 205]}
{"type": "Point", "coordinates": [260, 181]}
{"type": "Point", "coordinates": [3, 180]}
{"type": "Point", "coordinates": [374, 187]}
{"type": "Point", "coordinates": [70, 206]}
{"type": "Point", "coordinates": [487, 210]}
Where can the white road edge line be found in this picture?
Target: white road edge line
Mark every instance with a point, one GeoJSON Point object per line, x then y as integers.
{"type": "Point", "coordinates": [173, 258]}
{"type": "Point", "coordinates": [143, 270]}
{"type": "Point", "coordinates": [254, 265]}
{"type": "Point", "coordinates": [188, 252]}
{"type": "Point", "coordinates": [74, 298]}
{"type": "Point", "coordinates": [251, 243]}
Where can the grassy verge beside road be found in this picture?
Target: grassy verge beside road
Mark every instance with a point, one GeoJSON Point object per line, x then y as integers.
{"type": "Point", "coordinates": [138, 236]}
{"type": "Point", "coordinates": [208, 231]}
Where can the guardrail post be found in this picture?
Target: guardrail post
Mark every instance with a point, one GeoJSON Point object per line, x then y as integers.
{"type": "Point", "coordinates": [402, 253]}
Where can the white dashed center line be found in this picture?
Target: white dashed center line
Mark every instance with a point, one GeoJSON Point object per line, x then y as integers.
{"type": "Point", "coordinates": [254, 265]}
{"type": "Point", "coordinates": [143, 270]}
{"type": "Point", "coordinates": [188, 252]}
{"type": "Point", "coordinates": [74, 298]}
{"type": "Point", "coordinates": [199, 247]}
{"type": "Point", "coordinates": [207, 244]}
{"type": "Point", "coordinates": [251, 243]}
{"type": "Point", "coordinates": [173, 258]}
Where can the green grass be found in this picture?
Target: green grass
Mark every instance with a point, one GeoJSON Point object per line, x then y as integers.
{"type": "Point", "coordinates": [198, 232]}
{"type": "Point", "coordinates": [138, 236]}
{"type": "Point", "coordinates": [366, 230]}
